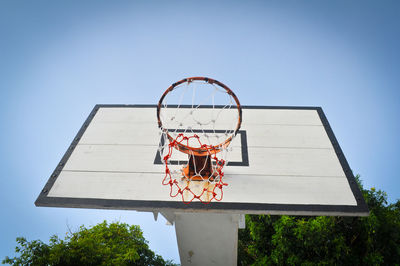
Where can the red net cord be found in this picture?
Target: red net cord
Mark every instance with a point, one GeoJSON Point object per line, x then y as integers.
{"type": "Point", "coordinates": [213, 189]}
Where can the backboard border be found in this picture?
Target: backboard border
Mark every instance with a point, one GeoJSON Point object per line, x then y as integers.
{"type": "Point", "coordinates": [360, 209]}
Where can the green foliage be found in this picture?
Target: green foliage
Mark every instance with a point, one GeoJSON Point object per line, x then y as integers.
{"type": "Point", "coordinates": [102, 244]}
{"type": "Point", "coordinates": [299, 240]}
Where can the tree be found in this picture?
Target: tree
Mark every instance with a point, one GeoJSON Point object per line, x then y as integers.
{"type": "Point", "coordinates": [322, 240]}
{"type": "Point", "coordinates": [103, 244]}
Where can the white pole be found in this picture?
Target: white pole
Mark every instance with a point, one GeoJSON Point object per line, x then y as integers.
{"type": "Point", "coordinates": [207, 238]}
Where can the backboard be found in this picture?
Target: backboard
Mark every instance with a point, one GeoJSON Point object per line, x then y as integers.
{"type": "Point", "coordinates": [284, 160]}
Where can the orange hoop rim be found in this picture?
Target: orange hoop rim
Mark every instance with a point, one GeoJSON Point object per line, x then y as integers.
{"type": "Point", "coordinates": [201, 151]}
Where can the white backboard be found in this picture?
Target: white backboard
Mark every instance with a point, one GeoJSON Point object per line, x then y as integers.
{"type": "Point", "coordinates": [284, 160]}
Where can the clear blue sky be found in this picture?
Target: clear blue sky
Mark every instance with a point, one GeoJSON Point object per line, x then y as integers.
{"type": "Point", "coordinates": [60, 58]}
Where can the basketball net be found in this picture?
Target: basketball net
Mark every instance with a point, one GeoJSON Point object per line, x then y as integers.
{"type": "Point", "coordinates": [198, 119]}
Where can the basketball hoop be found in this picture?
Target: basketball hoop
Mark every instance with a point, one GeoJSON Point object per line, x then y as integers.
{"type": "Point", "coordinates": [190, 123]}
